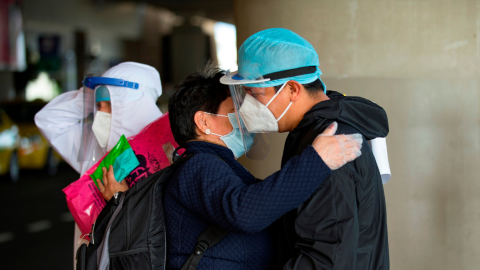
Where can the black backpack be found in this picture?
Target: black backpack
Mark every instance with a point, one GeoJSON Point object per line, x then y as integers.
{"type": "Point", "coordinates": [130, 231]}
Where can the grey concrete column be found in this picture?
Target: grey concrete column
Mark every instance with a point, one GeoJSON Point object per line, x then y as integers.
{"type": "Point", "coordinates": [420, 61]}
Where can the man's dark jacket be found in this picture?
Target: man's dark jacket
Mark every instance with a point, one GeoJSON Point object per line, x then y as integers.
{"type": "Point", "coordinates": [343, 225]}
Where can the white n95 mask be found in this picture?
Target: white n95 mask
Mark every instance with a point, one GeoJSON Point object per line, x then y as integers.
{"type": "Point", "coordinates": [101, 127]}
{"type": "Point", "coordinates": [257, 117]}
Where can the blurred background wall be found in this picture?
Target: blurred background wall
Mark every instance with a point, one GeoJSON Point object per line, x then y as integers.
{"type": "Point", "coordinates": [68, 39]}
{"type": "Point", "coordinates": [420, 60]}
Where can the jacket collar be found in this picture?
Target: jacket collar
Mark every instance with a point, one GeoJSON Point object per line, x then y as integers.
{"type": "Point", "coordinates": [325, 107]}
{"type": "Point", "coordinates": [364, 115]}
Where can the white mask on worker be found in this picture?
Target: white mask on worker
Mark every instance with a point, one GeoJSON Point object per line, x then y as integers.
{"type": "Point", "coordinates": [257, 117]}
{"type": "Point", "coordinates": [101, 127]}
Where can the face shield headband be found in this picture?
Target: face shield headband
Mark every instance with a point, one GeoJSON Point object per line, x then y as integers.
{"type": "Point", "coordinates": [93, 82]}
{"type": "Point", "coordinates": [302, 75]}
{"type": "Point", "coordinates": [285, 73]}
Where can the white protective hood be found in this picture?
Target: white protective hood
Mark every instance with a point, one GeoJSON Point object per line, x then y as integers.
{"type": "Point", "coordinates": [132, 109]}
{"type": "Point", "coordinates": [60, 120]}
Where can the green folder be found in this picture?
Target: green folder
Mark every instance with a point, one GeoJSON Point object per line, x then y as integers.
{"type": "Point", "coordinates": [121, 157]}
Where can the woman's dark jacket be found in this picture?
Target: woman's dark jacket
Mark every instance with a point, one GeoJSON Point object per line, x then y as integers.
{"type": "Point", "coordinates": [213, 188]}
{"type": "Point", "coordinates": [343, 225]}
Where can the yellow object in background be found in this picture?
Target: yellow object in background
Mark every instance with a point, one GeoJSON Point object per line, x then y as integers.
{"type": "Point", "coordinates": [22, 146]}
{"type": "Point", "coordinates": [9, 141]}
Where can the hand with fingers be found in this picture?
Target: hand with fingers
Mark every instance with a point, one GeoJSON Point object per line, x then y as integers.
{"type": "Point", "coordinates": [337, 150]}
{"type": "Point", "coordinates": [110, 186]}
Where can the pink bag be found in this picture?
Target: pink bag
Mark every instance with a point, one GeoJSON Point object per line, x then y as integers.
{"type": "Point", "coordinates": [153, 146]}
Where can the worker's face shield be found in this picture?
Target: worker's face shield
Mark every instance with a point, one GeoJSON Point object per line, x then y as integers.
{"type": "Point", "coordinates": [260, 147]}
{"type": "Point", "coordinates": [97, 115]}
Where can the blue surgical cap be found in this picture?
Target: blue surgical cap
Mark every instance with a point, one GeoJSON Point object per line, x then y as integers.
{"type": "Point", "coordinates": [275, 50]}
{"type": "Point", "coordinates": [102, 94]}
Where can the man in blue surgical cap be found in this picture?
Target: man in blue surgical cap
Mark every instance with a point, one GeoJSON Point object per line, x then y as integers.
{"type": "Point", "coordinates": [278, 88]}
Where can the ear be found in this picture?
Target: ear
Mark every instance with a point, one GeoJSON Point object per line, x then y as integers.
{"type": "Point", "coordinates": [295, 90]}
{"type": "Point", "coordinates": [200, 121]}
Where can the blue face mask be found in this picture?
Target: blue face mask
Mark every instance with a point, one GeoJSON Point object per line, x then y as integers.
{"type": "Point", "coordinates": [233, 140]}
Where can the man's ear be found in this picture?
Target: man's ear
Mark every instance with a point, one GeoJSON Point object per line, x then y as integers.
{"type": "Point", "coordinates": [295, 89]}
{"type": "Point", "coordinates": [201, 121]}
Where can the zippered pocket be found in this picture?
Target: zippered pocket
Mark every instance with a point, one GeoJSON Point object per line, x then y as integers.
{"type": "Point", "coordinates": [128, 252]}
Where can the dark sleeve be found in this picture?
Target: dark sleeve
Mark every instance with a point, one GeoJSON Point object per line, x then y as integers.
{"type": "Point", "coordinates": [327, 225]}
{"type": "Point", "coordinates": [210, 189]}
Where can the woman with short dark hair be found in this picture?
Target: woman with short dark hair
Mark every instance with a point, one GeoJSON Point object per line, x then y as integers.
{"type": "Point", "coordinates": [213, 188]}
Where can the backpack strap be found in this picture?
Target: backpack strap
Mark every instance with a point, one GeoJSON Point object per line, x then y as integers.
{"type": "Point", "coordinates": [103, 258]}
{"type": "Point", "coordinates": [176, 156]}
{"type": "Point", "coordinates": [207, 239]}
{"type": "Point", "coordinates": [180, 160]}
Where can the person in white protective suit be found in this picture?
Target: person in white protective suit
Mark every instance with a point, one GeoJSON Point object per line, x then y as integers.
{"type": "Point", "coordinates": [84, 124]}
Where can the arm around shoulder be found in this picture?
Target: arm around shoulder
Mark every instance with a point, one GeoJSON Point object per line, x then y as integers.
{"type": "Point", "coordinates": [210, 188]}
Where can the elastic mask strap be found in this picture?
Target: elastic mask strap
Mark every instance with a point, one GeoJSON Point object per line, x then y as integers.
{"type": "Point", "coordinates": [216, 134]}
{"type": "Point", "coordinates": [221, 116]}
{"type": "Point", "coordinates": [278, 92]}
{"type": "Point", "coordinates": [284, 112]}
{"type": "Point", "coordinates": [216, 115]}
{"type": "Point", "coordinates": [219, 134]}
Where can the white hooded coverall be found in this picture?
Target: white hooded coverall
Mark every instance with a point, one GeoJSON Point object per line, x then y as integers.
{"type": "Point", "coordinates": [60, 120]}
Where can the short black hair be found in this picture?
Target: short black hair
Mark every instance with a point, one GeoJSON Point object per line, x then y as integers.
{"type": "Point", "coordinates": [200, 91]}
{"type": "Point", "coordinates": [312, 88]}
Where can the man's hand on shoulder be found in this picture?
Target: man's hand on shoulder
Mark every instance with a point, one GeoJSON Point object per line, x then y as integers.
{"type": "Point", "coordinates": [337, 150]}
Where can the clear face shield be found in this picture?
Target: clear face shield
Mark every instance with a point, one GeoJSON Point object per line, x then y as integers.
{"type": "Point", "coordinates": [257, 144]}
{"type": "Point", "coordinates": [96, 123]}
{"type": "Point", "coordinates": [252, 101]}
